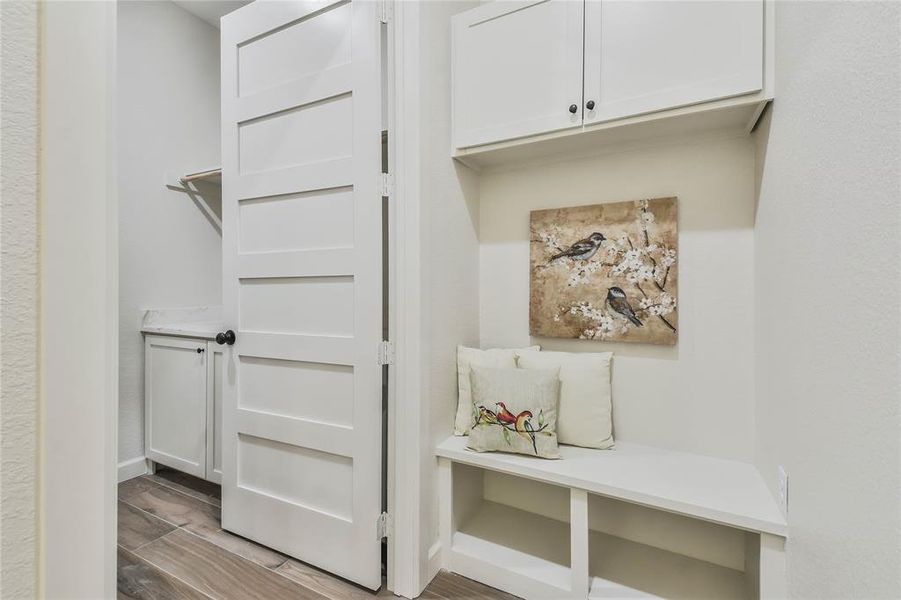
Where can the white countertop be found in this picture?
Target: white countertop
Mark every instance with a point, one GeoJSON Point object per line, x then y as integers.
{"type": "Point", "coordinates": [202, 322]}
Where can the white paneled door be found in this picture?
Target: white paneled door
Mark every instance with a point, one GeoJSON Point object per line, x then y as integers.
{"type": "Point", "coordinates": [302, 235]}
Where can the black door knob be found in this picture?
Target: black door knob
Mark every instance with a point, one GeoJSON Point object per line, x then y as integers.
{"type": "Point", "coordinates": [573, 108]}
{"type": "Point", "coordinates": [227, 337]}
{"type": "Point", "coordinates": [589, 105]}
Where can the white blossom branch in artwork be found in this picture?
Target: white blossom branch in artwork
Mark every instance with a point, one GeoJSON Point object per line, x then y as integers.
{"type": "Point", "coordinates": [649, 262]}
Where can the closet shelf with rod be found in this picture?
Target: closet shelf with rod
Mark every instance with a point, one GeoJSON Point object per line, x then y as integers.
{"type": "Point", "coordinates": [211, 175]}
{"type": "Point", "coordinates": [203, 187]}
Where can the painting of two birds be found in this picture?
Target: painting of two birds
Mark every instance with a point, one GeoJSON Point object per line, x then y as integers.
{"type": "Point", "coordinates": [605, 272]}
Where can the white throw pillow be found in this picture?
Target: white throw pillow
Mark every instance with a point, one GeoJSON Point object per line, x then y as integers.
{"type": "Point", "coordinates": [584, 417]}
{"type": "Point", "coordinates": [517, 411]}
{"type": "Point", "coordinates": [501, 358]}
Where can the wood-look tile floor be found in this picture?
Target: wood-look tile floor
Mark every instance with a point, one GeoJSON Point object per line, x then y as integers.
{"type": "Point", "coordinates": [171, 547]}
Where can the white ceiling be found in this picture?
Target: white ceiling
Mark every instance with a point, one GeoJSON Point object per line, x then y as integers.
{"type": "Point", "coordinates": [211, 10]}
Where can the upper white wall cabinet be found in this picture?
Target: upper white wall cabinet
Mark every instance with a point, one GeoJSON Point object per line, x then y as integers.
{"type": "Point", "coordinates": [517, 70]}
{"type": "Point", "coordinates": [647, 56]}
{"type": "Point", "coordinates": [527, 71]}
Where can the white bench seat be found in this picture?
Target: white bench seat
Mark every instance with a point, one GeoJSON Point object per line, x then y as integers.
{"type": "Point", "coordinates": [534, 556]}
{"type": "Point", "coordinates": [722, 491]}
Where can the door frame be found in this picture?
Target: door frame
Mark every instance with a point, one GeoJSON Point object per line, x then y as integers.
{"type": "Point", "coordinates": [408, 454]}
{"type": "Point", "coordinates": [79, 301]}
{"type": "Point", "coordinates": [71, 256]}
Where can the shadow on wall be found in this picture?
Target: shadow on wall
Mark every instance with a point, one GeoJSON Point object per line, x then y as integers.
{"type": "Point", "coordinates": [469, 184]}
{"type": "Point", "coordinates": [623, 349]}
{"type": "Point", "coordinates": [698, 173]}
{"type": "Point", "coordinates": [207, 197]}
{"type": "Point", "coordinates": [761, 137]}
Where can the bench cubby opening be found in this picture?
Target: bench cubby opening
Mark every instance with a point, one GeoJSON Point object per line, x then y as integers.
{"type": "Point", "coordinates": [632, 523]}
{"type": "Point", "coordinates": [502, 545]}
{"type": "Point", "coordinates": [635, 551]}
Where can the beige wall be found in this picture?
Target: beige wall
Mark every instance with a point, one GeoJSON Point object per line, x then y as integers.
{"type": "Point", "coordinates": [20, 292]}
{"type": "Point", "coordinates": [697, 396]}
{"type": "Point", "coordinates": [828, 296]}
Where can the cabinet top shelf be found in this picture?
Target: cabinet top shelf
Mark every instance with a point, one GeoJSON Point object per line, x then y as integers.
{"type": "Point", "coordinates": [201, 322]}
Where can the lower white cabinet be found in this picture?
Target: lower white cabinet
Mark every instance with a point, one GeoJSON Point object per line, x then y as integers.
{"type": "Point", "coordinates": [182, 404]}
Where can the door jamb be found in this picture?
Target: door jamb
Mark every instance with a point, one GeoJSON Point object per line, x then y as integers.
{"type": "Point", "coordinates": [407, 435]}
{"type": "Point", "coordinates": [79, 311]}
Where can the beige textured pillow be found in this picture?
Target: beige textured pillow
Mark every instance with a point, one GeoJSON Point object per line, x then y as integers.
{"type": "Point", "coordinates": [466, 359]}
{"type": "Point", "coordinates": [584, 415]}
{"type": "Point", "coordinates": [517, 411]}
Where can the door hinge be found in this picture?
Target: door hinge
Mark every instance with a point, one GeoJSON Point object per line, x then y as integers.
{"type": "Point", "coordinates": [382, 526]}
{"type": "Point", "coordinates": [387, 185]}
{"type": "Point", "coordinates": [384, 11]}
{"type": "Point", "coordinates": [386, 353]}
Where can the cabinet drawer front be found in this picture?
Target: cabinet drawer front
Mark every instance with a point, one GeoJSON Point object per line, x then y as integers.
{"type": "Point", "coordinates": [517, 68]}
{"type": "Point", "coordinates": [176, 403]}
{"type": "Point", "coordinates": [653, 55]}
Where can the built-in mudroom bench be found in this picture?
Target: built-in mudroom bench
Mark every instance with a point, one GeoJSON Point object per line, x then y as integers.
{"type": "Point", "coordinates": [709, 527]}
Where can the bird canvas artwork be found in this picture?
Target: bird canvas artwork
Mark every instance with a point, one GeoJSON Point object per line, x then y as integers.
{"type": "Point", "coordinates": [605, 272]}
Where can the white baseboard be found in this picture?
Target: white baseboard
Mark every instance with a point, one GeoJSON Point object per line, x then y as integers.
{"type": "Point", "coordinates": [434, 559]}
{"type": "Point", "coordinates": [129, 469]}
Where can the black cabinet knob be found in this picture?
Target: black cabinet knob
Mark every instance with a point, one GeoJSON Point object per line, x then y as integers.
{"type": "Point", "coordinates": [573, 108]}
{"type": "Point", "coordinates": [589, 105]}
{"type": "Point", "coordinates": [200, 351]}
{"type": "Point", "coordinates": [227, 337]}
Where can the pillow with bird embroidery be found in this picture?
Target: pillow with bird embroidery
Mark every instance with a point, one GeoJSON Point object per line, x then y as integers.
{"type": "Point", "coordinates": [517, 411]}
{"type": "Point", "coordinates": [584, 415]}
{"type": "Point", "coordinates": [466, 359]}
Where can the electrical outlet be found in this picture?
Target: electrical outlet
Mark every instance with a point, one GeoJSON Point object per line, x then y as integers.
{"type": "Point", "coordinates": [783, 489]}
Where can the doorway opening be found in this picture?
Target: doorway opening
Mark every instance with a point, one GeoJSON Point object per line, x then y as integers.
{"type": "Point", "coordinates": [253, 298]}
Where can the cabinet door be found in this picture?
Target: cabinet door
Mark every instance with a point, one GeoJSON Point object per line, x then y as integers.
{"type": "Point", "coordinates": [646, 56]}
{"type": "Point", "coordinates": [517, 70]}
{"type": "Point", "coordinates": [175, 403]}
{"type": "Point", "coordinates": [214, 388]}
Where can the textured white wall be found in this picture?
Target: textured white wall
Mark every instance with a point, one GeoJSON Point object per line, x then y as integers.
{"type": "Point", "coordinates": [697, 396]}
{"type": "Point", "coordinates": [19, 291]}
{"type": "Point", "coordinates": [828, 294]}
{"type": "Point", "coordinates": [168, 120]}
